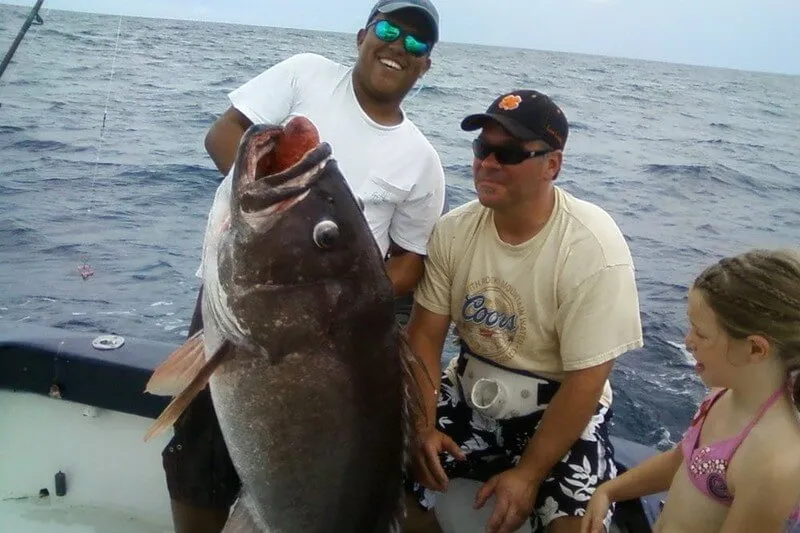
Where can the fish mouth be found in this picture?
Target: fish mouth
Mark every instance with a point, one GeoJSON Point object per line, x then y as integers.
{"type": "Point", "coordinates": [264, 196]}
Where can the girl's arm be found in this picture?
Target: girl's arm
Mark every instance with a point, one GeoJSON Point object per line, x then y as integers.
{"type": "Point", "coordinates": [651, 476]}
{"type": "Point", "coordinates": [648, 477]}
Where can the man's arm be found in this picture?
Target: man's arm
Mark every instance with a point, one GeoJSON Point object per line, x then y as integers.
{"type": "Point", "coordinates": [564, 420]}
{"type": "Point", "coordinates": [411, 228]}
{"type": "Point", "coordinates": [404, 268]}
{"type": "Point", "coordinates": [598, 321]}
{"type": "Point", "coordinates": [430, 320]}
{"type": "Point", "coordinates": [269, 98]}
{"type": "Point", "coordinates": [427, 332]}
{"type": "Point", "coordinates": [222, 139]}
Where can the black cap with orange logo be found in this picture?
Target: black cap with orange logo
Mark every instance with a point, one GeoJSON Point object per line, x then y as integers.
{"type": "Point", "coordinates": [526, 115]}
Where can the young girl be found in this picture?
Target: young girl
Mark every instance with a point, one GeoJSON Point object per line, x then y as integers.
{"type": "Point", "coordinates": [737, 468]}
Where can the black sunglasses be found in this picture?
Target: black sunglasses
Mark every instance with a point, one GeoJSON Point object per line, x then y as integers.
{"type": "Point", "coordinates": [505, 155]}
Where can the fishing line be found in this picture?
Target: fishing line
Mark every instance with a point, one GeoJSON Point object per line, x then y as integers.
{"type": "Point", "coordinates": [85, 270]}
{"type": "Point", "coordinates": [415, 93]}
{"type": "Point", "coordinates": [26, 53]}
{"type": "Point", "coordinates": [38, 22]}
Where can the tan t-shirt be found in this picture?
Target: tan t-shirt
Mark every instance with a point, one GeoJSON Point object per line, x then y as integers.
{"type": "Point", "coordinates": [564, 300]}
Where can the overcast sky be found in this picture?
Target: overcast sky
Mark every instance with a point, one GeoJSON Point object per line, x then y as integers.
{"type": "Point", "coordinates": [744, 34]}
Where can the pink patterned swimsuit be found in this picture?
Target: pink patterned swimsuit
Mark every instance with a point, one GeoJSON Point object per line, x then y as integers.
{"type": "Point", "coordinates": [707, 466]}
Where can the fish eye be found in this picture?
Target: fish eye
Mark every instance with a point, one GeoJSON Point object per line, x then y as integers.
{"type": "Point", "coordinates": [325, 233]}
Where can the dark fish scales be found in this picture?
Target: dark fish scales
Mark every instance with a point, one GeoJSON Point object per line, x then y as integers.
{"type": "Point", "coordinates": [307, 368]}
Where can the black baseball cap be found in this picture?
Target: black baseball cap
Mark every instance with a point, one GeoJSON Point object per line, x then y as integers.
{"type": "Point", "coordinates": [427, 8]}
{"type": "Point", "coordinates": [526, 115]}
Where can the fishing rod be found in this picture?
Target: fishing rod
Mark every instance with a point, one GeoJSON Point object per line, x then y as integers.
{"type": "Point", "coordinates": [33, 18]}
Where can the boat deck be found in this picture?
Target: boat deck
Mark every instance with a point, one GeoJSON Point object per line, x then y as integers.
{"type": "Point", "coordinates": [49, 515]}
{"type": "Point", "coordinates": [114, 480]}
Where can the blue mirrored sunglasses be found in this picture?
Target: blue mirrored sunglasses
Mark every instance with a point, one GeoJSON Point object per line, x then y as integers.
{"type": "Point", "coordinates": [388, 32]}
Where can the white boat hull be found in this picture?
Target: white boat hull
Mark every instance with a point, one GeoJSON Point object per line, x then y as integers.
{"type": "Point", "coordinates": [114, 481]}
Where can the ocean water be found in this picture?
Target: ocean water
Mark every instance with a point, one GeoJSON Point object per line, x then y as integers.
{"type": "Point", "coordinates": [102, 162]}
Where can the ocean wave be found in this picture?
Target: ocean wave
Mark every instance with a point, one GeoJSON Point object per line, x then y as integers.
{"type": "Point", "coordinates": [15, 235]}
{"type": "Point", "coordinates": [772, 113]}
{"type": "Point", "coordinates": [40, 145]}
{"type": "Point", "coordinates": [227, 81]}
{"type": "Point", "coordinates": [7, 130]}
{"type": "Point", "coordinates": [716, 173]}
{"type": "Point", "coordinates": [456, 195]}
{"type": "Point", "coordinates": [153, 272]}
{"type": "Point", "coordinates": [434, 90]}
{"type": "Point", "coordinates": [689, 171]}
{"type": "Point", "coordinates": [77, 324]}
{"type": "Point", "coordinates": [51, 31]}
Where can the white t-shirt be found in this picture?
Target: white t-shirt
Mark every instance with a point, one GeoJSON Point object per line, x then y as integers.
{"type": "Point", "coordinates": [564, 300]}
{"type": "Point", "coordinates": [394, 169]}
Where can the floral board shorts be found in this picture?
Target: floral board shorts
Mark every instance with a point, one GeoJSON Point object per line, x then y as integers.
{"type": "Point", "coordinates": [493, 446]}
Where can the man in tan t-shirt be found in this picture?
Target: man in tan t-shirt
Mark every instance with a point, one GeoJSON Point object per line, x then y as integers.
{"type": "Point", "coordinates": [540, 286]}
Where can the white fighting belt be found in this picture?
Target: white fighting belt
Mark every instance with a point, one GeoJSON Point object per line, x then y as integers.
{"type": "Point", "coordinates": [499, 393]}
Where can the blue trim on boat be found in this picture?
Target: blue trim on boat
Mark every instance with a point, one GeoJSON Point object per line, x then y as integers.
{"type": "Point", "coordinates": [42, 359]}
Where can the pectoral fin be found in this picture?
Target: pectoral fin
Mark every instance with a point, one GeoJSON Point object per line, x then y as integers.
{"type": "Point", "coordinates": [179, 368]}
{"type": "Point", "coordinates": [192, 388]}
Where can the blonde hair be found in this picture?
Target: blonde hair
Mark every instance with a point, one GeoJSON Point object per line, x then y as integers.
{"type": "Point", "coordinates": [758, 293]}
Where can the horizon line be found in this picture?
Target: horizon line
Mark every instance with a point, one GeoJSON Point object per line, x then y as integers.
{"type": "Point", "coordinates": [453, 42]}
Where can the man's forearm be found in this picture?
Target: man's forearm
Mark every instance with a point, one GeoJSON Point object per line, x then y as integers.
{"type": "Point", "coordinates": [427, 346]}
{"type": "Point", "coordinates": [427, 375]}
{"type": "Point", "coordinates": [565, 418]}
{"type": "Point", "coordinates": [428, 378]}
{"type": "Point", "coordinates": [222, 139]}
{"type": "Point", "coordinates": [404, 270]}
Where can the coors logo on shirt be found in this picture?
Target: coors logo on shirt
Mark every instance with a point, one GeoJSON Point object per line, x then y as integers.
{"type": "Point", "coordinates": [492, 322]}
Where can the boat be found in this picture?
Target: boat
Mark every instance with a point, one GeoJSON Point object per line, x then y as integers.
{"type": "Point", "coordinates": [72, 455]}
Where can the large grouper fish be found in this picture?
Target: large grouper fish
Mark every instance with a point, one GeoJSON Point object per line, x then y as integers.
{"type": "Point", "coordinates": [310, 376]}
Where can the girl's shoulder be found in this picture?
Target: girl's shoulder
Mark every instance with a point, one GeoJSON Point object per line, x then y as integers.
{"type": "Point", "coordinates": [705, 405]}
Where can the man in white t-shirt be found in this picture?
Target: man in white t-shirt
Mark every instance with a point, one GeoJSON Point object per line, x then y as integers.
{"type": "Point", "coordinates": [541, 289]}
{"type": "Point", "coordinates": [385, 159]}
